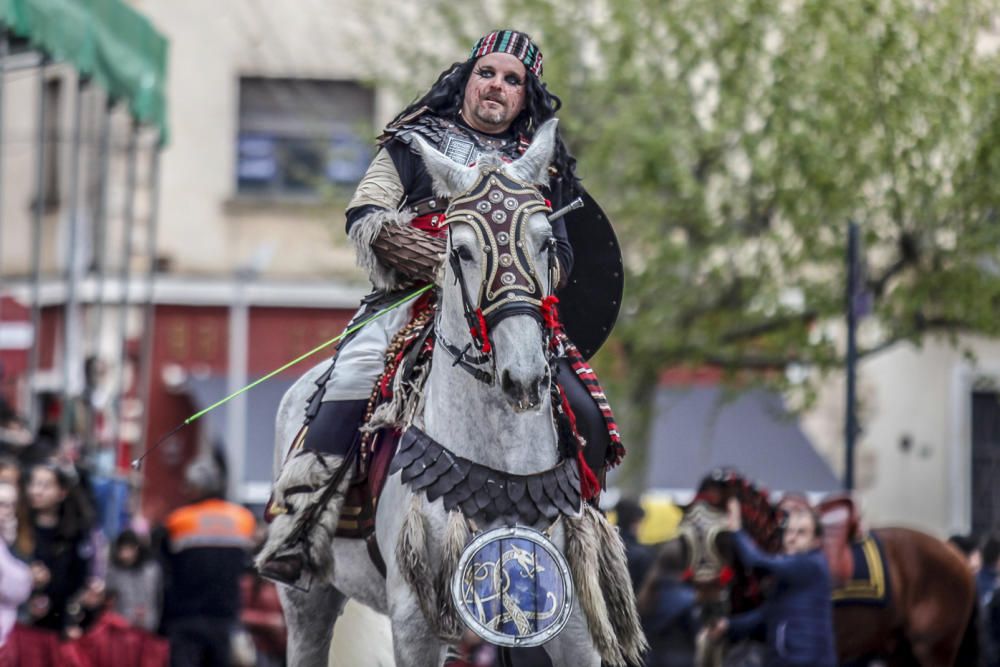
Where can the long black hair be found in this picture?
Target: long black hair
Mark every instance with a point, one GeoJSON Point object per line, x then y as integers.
{"type": "Point", "coordinates": [445, 99]}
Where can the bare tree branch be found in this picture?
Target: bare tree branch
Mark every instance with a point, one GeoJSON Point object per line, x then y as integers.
{"type": "Point", "coordinates": [769, 326]}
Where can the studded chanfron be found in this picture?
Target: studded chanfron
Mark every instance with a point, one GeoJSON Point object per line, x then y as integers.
{"type": "Point", "coordinates": [498, 209]}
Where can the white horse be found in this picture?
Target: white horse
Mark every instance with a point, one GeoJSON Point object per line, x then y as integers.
{"type": "Point", "coordinates": [507, 425]}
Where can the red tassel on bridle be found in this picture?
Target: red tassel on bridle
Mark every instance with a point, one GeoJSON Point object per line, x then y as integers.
{"type": "Point", "coordinates": [480, 332]}
{"type": "Point", "coordinates": [550, 314]}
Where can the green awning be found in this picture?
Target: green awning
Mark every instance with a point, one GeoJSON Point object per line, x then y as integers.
{"type": "Point", "coordinates": [103, 39]}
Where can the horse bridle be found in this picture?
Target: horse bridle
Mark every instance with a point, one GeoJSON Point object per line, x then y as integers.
{"type": "Point", "coordinates": [497, 208]}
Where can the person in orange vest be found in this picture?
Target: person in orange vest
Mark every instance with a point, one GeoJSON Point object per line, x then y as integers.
{"type": "Point", "coordinates": [205, 549]}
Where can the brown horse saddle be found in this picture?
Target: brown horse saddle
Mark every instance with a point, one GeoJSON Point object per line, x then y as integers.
{"type": "Point", "coordinates": [839, 517]}
{"type": "Point", "coordinates": [855, 557]}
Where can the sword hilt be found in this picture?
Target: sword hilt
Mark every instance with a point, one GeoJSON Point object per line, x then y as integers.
{"type": "Point", "coordinates": [572, 206]}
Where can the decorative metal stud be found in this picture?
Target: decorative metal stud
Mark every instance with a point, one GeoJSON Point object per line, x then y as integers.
{"type": "Point", "coordinates": [495, 196]}
{"type": "Point", "coordinates": [510, 203]}
{"type": "Point", "coordinates": [506, 260]}
{"type": "Point", "coordinates": [503, 238]}
{"type": "Point", "coordinates": [507, 278]}
{"type": "Point", "coordinates": [483, 206]}
{"type": "Point", "coordinates": [499, 217]}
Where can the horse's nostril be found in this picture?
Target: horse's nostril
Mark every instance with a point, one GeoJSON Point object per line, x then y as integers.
{"type": "Point", "coordinates": [506, 384]}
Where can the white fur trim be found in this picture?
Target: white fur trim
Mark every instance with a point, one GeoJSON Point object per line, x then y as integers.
{"type": "Point", "coordinates": [457, 535]}
{"type": "Point", "coordinates": [582, 552]}
{"type": "Point", "coordinates": [413, 560]}
{"type": "Point", "coordinates": [363, 233]}
{"type": "Point", "coordinates": [305, 469]}
{"type": "Point", "coordinates": [617, 586]}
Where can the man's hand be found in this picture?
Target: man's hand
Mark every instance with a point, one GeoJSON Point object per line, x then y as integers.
{"type": "Point", "coordinates": [734, 517]}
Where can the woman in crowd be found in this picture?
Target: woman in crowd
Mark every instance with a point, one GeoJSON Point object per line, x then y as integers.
{"type": "Point", "coordinates": [15, 577]}
{"type": "Point", "coordinates": [56, 540]}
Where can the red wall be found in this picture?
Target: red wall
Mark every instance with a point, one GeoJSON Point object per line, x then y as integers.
{"type": "Point", "coordinates": [196, 338]}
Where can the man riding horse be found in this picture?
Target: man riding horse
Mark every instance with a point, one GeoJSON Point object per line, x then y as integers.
{"type": "Point", "coordinates": [493, 102]}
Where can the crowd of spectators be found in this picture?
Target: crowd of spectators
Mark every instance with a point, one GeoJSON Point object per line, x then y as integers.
{"type": "Point", "coordinates": [79, 586]}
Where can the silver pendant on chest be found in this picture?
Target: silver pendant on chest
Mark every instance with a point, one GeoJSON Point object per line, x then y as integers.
{"type": "Point", "coordinates": [462, 151]}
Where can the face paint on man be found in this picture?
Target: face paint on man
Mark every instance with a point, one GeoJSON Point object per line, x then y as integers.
{"type": "Point", "coordinates": [494, 94]}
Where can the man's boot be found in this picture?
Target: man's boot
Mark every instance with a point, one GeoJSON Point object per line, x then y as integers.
{"type": "Point", "coordinates": [294, 541]}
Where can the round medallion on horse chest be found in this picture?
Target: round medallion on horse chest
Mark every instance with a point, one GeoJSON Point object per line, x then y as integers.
{"type": "Point", "coordinates": [483, 206]}
{"type": "Point", "coordinates": [507, 278]}
{"type": "Point", "coordinates": [506, 260]}
{"type": "Point", "coordinates": [510, 203]}
{"type": "Point", "coordinates": [495, 196]}
{"type": "Point", "coordinates": [513, 587]}
{"type": "Point", "coordinates": [499, 217]}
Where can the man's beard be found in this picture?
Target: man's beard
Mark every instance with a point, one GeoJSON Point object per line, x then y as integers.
{"type": "Point", "coordinates": [489, 115]}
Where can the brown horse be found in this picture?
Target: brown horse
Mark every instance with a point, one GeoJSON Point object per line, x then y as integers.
{"type": "Point", "coordinates": [930, 620]}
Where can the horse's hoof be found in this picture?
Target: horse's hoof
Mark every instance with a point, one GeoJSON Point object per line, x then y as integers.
{"type": "Point", "coordinates": [283, 569]}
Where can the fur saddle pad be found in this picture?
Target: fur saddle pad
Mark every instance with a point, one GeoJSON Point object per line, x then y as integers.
{"type": "Point", "coordinates": [869, 582]}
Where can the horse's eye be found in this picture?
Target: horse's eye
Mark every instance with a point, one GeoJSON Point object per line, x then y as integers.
{"type": "Point", "coordinates": [464, 254]}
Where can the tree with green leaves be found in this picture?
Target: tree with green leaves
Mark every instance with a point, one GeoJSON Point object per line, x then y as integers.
{"type": "Point", "coordinates": [731, 141]}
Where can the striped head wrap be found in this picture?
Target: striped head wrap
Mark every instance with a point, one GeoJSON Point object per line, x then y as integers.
{"type": "Point", "coordinates": [513, 42]}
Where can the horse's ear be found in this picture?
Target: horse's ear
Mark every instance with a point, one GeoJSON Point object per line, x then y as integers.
{"type": "Point", "coordinates": [533, 166]}
{"type": "Point", "coordinates": [449, 177]}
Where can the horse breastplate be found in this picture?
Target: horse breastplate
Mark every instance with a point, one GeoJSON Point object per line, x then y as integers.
{"type": "Point", "coordinates": [498, 209]}
{"type": "Point", "coordinates": [483, 494]}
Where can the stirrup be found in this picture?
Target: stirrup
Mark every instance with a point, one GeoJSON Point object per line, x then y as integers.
{"type": "Point", "coordinates": [284, 578]}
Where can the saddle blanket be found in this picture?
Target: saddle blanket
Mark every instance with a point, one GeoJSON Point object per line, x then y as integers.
{"type": "Point", "coordinates": [869, 582]}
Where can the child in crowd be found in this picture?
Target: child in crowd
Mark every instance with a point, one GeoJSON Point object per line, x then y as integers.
{"type": "Point", "coordinates": [135, 582]}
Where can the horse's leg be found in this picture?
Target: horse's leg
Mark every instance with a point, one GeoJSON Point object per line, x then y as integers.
{"type": "Point", "coordinates": [933, 591]}
{"type": "Point", "coordinates": [310, 617]}
{"type": "Point", "coordinates": [573, 646]}
{"type": "Point", "coordinates": [413, 642]}
{"type": "Point", "coordinates": [939, 652]}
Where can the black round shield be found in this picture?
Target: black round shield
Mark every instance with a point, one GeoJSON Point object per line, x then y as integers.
{"type": "Point", "coordinates": [590, 301]}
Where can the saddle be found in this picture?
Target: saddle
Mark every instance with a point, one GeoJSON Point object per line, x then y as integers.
{"type": "Point", "coordinates": [409, 351]}
{"type": "Point", "coordinates": [839, 518]}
